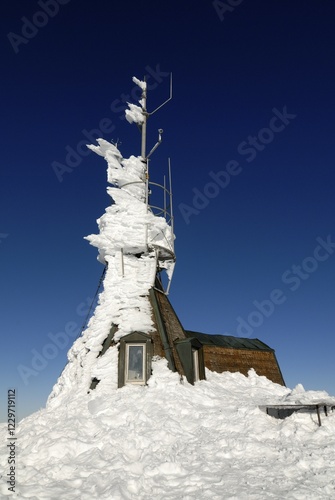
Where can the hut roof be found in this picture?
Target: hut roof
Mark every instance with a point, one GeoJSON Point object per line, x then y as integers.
{"type": "Point", "coordinates": [229, 341]}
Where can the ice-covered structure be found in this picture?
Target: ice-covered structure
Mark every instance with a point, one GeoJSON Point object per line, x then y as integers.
{"type": "Point", "coordinates": [134, 320]}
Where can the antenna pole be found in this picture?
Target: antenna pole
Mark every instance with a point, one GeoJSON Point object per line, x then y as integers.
{"type": "Point", "coordinates": [144, 124]}
{"type": "Point", "coordinates": [166, 251]}
{"type": "Point", "coordinates": [143, 147]}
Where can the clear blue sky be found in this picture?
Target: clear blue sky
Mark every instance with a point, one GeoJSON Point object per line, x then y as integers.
{"type": "Point", "coordinates": [250, 132]}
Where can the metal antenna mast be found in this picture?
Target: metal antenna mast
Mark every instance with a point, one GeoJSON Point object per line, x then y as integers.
{"type": "Point", "coordinates": [146, 115]}
{"type": "Point", "coordinates": [144, 124]}
{"type": "Point", "coordinates": [165, 253]}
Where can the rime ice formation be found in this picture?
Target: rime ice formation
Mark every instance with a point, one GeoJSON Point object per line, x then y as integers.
{"type": "Point", "coordinates": [135, 113]}
{"type": "Point", "coordinates": [128, 225]}
{"type": "Point", "coordinates": [130, 242]}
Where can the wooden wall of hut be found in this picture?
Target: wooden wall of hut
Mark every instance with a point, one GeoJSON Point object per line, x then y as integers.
{"type": "Point", "coordinates": [220, 359]}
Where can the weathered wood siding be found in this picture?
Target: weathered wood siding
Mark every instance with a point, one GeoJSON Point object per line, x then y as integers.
{"type": "Point", "coordinates": [174, 328]}
{"type": "Point", "coordinates": [220, 359]}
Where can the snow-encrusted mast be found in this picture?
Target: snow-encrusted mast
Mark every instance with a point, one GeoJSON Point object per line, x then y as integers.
{"type": "Point", "coordinates": [133, 320]}
{"type": "Point", "coordinates": [131, 176]}
{"type": "Point", "coordinates": [139, 115]}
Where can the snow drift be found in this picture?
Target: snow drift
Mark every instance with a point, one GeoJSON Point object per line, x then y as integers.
{"type": "Point", "coordinates": [172, 440]}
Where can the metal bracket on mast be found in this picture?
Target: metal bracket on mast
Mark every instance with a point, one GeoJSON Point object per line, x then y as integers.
{"type": "Point", "coordinates": [146, 115]}
{"type": "Point", "coordinates": [167, 100]}
{"type": "Point", "coordinates": [160, 132]}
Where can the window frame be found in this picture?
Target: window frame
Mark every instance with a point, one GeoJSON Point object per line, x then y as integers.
{"type": "Point", "coordinates": [196, 366]}
{"type": "Point", "coordinates": [132, 339]}
{"type": "Point", "coordinates": [127, 379]}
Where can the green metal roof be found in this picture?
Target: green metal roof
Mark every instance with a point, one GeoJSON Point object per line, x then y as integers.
{"type": "Point", "coordinates": [228, 341]}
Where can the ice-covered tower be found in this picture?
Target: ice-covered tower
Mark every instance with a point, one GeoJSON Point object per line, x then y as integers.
{"type": "Point", "coordinates": [134, 320]}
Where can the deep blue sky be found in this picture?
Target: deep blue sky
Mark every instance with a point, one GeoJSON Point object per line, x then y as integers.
{"type": "Point", "coordinates": [229, 77]}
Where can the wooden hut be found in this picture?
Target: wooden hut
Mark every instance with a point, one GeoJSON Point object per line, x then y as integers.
{"type": "Point", "coordinates": [189, 352]}
{"type": "Point", "coordinates": [216, 352]}
{"type": "Point", "coordinates": [236, 354]}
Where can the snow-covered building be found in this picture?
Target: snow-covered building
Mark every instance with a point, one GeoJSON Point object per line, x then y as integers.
{"type": "Point", "coordinates": [236, 354]}
{"type": "Point", "coordinates": [134, 321]}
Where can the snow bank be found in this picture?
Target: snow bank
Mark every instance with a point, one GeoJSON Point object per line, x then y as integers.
{"type": "Point", "coordinates": [171, 440]}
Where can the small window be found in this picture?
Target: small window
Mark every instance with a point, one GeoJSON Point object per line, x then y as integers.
{"type": "Point", "coordinates": [135, 364]}
{"type": "Point", "coordinates": [195, 355]}
{"type": "Point", "coordinates": [135, 354]}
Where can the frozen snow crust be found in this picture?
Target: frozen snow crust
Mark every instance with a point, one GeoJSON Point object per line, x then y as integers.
{"type": "Point", "coordinates": [172, 440]}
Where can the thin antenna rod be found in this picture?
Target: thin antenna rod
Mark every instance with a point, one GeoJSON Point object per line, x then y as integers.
{"type": "Point", "coordinates": [164, 196]}
{"type": "Point", "coordinates": [171, 204]}
{"type": "Point", "coordinates": [167, 100]}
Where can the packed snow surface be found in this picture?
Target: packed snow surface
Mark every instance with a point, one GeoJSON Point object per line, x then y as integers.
{"type": "Point", "coordinates": [171, 440]}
